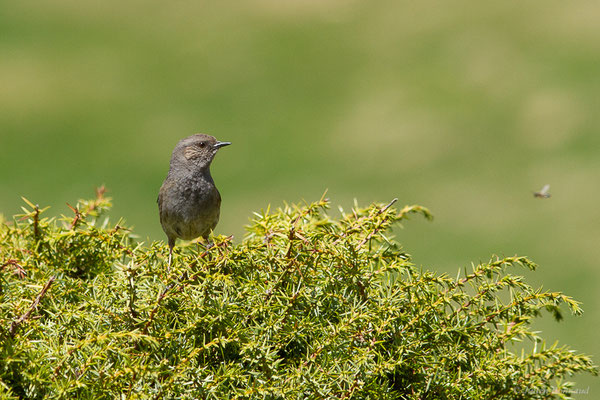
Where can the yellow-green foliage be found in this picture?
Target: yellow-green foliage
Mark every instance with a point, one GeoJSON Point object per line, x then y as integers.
{"type": "Point", "coordinates": [305, 307]}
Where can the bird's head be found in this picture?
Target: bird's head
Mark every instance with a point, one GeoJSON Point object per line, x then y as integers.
{"type": "Point", "coordinates": [196, 151]}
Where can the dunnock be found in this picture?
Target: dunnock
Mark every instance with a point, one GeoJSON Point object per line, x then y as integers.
{"type": "Point", "coordinates": [188, 201]}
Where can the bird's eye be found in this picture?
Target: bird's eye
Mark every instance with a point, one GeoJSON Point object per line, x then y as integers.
{"type": "Point", "coordinates": [202, 144]}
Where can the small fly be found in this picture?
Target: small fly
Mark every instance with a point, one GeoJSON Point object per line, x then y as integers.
{"type": "Point", "coordinates": [544, 193]}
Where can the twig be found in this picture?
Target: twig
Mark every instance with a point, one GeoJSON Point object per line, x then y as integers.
{"type": "Point", "coordinates": [14, 326]}
{"type": "Point", "coordinates": [166, 290]}
{"type": "Point", "coordinates": [99, 197]}
{"type": "Point", "coordinates": [373, 232]}
{"type": "Point", "coordinates": [77, 218]}
{"type": "Point", "coordinates": [288, 255]}
{"type": "Point", "coordinates": [36, 222]}
{"type": "Point", "coordinates": [132, 293]}
{"type": "Point", "coordinates": [18, 269]}
{"type": "Point", "coordinates": [391, 203]}
{"type": "Point", "coordinates": [180, 283]}
{"type": "Point", "coordinates": [153, 311]}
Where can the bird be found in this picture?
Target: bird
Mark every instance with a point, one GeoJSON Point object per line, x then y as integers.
{"type": "Point", "coordinates": [189, 203]}
{"type": "Point", "coordinates": [544, 193]}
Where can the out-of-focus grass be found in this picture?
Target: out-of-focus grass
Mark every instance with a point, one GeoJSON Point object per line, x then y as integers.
{"type": "Point", "coordinates": [463, 107]}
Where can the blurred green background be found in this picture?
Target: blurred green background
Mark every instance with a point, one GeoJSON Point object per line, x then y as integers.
{"type": "Point", "coordinates": [463, 107]}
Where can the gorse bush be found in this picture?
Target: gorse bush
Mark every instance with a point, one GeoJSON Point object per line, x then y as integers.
{"type": "Point", "coordinates": [305, 307]}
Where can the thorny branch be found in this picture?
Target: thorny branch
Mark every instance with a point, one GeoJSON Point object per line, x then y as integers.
{"type": "Point", "coordinates": [374, 231]}
{"type": "Point", "coordinates": [14, 326]}
{"type": "Point", "coordinates": [180, 285]}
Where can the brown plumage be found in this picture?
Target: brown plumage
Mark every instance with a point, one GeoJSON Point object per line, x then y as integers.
{"type": "Point", "coordinates": [188, 201]}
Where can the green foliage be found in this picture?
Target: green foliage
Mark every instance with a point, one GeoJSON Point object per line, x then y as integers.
{"type": "Point", "coordinates": [306, 306]}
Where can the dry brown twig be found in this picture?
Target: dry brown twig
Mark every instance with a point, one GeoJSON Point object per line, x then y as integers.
{"type": "Point", "coordinates": [14, 326]}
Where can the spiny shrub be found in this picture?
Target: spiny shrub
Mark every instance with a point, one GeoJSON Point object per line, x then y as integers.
{"type": "Point", "coordinates": [304, 307]}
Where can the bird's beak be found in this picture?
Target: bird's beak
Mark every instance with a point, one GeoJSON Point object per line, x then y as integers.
{"type": "Point", "coordinates": [218, 145]}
